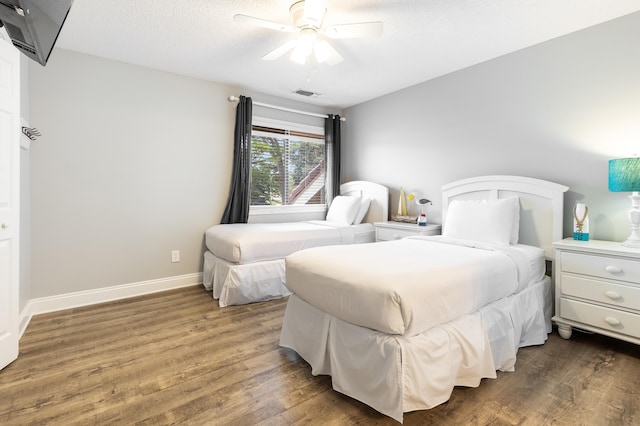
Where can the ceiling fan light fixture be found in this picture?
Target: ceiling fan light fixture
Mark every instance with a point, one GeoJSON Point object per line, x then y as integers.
{"type": "Point", "coordinates": [304, 46]}
{"type": "Point", "coordinates": [299, 56]}
{"type": "Point", "coordinates": [308, 16]}
{"type": "Point", "coordinates": [322, 51]}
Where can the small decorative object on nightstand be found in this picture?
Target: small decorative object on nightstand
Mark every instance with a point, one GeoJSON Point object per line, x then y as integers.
{"type": "Point", "coordinates": [422, 219]}
{"type": "Point", "coordinates": [402, 204]}
{"type": "Point", "coordinates": [581, 222]}
{"type": "Point", "coordinates": [597, 288]}
{"type": "Point", "coordinates": [387, 231]}
{"type": "Point", "coordinates": [403, 211]}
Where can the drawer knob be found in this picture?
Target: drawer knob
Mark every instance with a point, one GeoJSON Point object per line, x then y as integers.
{"type": "Point", "coordinates": [612, 321]}
{"type": "Point", "coordinates": [612, 269]}
{"type": "Point", "coordinates": [613, 295]}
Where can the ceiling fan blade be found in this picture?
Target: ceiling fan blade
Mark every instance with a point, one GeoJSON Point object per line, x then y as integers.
{"type": "Point", "coordinates": [314, 11]}
{"type": "Point", "coordinates": [250, 20]}
{"type": "Point", "coordinates": [280, 50]}
{"type": "Point", "coordinates": [362, 29]}
{"type": "Point", "coordinates": [324, 52]}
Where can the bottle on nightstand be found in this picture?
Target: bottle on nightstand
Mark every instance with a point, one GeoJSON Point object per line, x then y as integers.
{"type": "Point", "coordinates": [581, 222]}
{"type": "Point", "coordinates": [422, 219]}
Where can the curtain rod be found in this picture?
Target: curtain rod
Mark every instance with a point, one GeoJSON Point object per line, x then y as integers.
{"type": "Point", "coordinates": [297, 111]}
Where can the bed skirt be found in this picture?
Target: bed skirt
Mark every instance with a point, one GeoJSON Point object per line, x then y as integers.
{"type": "Point", "coordinates": [235, 284]}
{"type": "Point", "coordinates": [395, 374]}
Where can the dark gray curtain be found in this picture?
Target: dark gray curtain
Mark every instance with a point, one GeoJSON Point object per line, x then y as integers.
{"type": "Point", "coordinates": [237, 210]}
{"type": "Point", "coordinates": [332, 146]}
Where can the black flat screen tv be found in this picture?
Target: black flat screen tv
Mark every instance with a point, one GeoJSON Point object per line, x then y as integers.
{"type": "Point", "coordinates": [33, 25]}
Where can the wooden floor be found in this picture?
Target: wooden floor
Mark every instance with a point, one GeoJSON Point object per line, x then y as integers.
{"type": "Point", "coordinates": [176, 358]}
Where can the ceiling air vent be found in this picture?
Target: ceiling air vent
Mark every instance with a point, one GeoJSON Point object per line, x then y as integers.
{"type": "Point", "coordinates": [306, 93]}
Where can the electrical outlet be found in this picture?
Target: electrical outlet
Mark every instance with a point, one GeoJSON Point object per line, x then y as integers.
{"type": "Point", "coordinates": [175, 256]}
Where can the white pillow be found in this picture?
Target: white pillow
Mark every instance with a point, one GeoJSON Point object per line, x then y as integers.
{"type": "Point", "coordinates": [365, 202]}
{"type": "Point", "coordinates": [482, 220]}
{"type": "Point", "coordinates": [515, 227]}
{"type": "Point", "coordinates": [343, 209]}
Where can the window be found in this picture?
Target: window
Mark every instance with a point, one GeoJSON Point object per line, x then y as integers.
{"type": "Point", "coordinates": [287, 164]}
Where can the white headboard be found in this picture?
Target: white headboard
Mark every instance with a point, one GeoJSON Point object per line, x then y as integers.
{"type": "Point", "coordinates": [541, 204]}
{"type": "Point", "coordinates": [379, 195]}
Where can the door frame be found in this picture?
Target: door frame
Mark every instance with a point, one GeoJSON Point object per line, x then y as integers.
{"type": "Point", "coordinates": [9, 201]}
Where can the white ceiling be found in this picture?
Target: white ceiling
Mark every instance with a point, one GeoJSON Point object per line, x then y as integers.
{"type": "Point", "coordinates": [422, 39]}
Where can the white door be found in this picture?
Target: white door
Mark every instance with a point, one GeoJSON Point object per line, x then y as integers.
{"type": "Point", "coordinates": [9, 192]}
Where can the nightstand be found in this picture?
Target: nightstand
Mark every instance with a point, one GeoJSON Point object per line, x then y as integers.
{"type": "Point", "coordinates": [386, 231]}
{"type": "Point", "coordinates": [597, 288]}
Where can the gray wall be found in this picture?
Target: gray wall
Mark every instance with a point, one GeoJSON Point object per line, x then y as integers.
{"type": "Point", "coordinates": [556, 111]}
{"type": "Point", "coordinates": [132, 164]}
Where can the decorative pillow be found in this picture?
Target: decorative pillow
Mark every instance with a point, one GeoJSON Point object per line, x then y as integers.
{"type": "Point", "coordinates": [343, 209]}
{"type": "Point", "coordinates": [489, 221]}
{"type": "Point", "coordinates": [365, 202]}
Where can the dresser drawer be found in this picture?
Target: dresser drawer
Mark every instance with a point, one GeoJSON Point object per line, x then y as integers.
{"type": "Point", "coordinates": [601, 266]}
{"type": "Point", "coordinates": [601, 317]}
{"type": "Point", "coordinates": [625, 296]}
{"type": "Point", "coordinates": [388, 234]}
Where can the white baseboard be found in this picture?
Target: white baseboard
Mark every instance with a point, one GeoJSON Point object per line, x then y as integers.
{"type": "Point", "coordinates": [61, 302]}
{"type": "Point", "coordinates": [25, 318]}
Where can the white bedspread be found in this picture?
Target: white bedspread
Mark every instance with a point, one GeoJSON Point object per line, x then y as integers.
{"type": "Point", "coordinates": [396, 374]}
{"type": "Point", "coordinates": [254, 242]}
{"type": "Point", "coordinates": [433, 280]}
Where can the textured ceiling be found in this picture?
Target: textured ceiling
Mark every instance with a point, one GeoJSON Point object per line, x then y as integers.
{"type": "Point", "coordinates": [422, 39]}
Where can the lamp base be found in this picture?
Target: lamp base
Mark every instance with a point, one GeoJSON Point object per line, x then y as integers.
{"type": "Point", "coordinates": [630, 243]}
{"type": "Point", "coordinates": [634, 219]}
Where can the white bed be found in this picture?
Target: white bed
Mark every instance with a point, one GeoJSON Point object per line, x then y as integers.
{"type": "Point", "coordinates": [244, 263]}
{"type": "Point", "coordinates": [399, 324]}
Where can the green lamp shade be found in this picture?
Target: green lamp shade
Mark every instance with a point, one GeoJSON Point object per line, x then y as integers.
{"type": "Point", "coordinates": [624, 175]}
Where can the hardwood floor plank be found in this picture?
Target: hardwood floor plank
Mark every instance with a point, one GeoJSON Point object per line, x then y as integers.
{"type": "Point", "coordinates": [177, 358]}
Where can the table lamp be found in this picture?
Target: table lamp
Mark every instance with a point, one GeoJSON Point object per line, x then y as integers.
{"type": "Point", "coordinates": [624, 176]}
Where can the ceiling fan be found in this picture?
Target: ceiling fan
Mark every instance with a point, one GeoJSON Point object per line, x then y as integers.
{"type": "Point", "coordinates": [307, 18]}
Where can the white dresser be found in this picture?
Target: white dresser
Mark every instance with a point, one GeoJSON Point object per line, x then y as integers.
{"type": "Point", "coordinates": [597, 288]}
{"type": "Point", "coordinates": [387, 231]}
